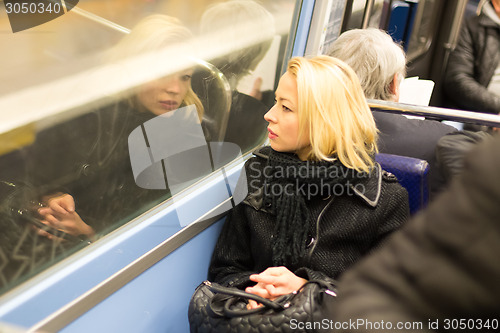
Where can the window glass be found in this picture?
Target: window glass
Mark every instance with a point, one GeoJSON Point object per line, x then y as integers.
{"type": "Point", "coordinates": [404, 20]}
{"type": "Point", "coordinates": [115, 105]}
{"type": "Point", "coordinates": [354, 15]}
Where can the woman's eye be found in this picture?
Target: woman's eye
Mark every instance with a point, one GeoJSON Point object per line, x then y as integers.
{"type": "Point", "coordinates": [186, 78]}
{"type": "Point", "coordinates": [286, 108]}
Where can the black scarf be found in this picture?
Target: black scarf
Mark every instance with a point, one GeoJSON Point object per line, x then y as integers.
{"type": "Point", "coordinates": [289, 183]}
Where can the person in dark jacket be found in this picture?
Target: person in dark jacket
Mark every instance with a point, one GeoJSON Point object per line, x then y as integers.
{"type": "Point", "coordinates": [452, 148]}
{"type": "Point", "coordinates": [472, 78]}
{"type": "Point", "coordinates": [381, 66]}
{"type": "Point", "coordinates": [317, 202]}
{"type": "Point", "coordinates": [441, 269]}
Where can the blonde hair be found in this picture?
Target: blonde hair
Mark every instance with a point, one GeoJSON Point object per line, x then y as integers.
{"type": "Point", "coordinates": [332, 108]}
{"type": "Point", "coordinates": [153, 33]}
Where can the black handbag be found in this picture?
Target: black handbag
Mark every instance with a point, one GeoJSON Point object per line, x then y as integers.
{"type": "Point", "coordinates": [214, 308]}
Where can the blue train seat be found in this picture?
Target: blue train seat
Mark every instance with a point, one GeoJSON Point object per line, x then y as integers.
{"type": "Point", "coordinates": [412, 175]}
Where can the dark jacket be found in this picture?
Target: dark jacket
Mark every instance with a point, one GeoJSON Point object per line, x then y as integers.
{"type": "Point", "coordinates": [88, 158]}
{"type": "Point", "coordinates": [472, 65]}
{"type": "Point", "coordinates": [414, 138]}
{"type": "Point", "coordinates": [452, 149]}
{"type": "Point", "coordinates": [246, 124]}
{"type": "Point", "coordinates": [344, 228]}
{"type": "Point", "coordinates": [441, 265]}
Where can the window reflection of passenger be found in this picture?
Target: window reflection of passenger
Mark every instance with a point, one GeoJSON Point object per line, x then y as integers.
{"type": "Point", "coordinates": [301, 220]}
{"type": "Point", "coordinates": [95, 184]}
{"type": "Point", "coordinates": [246, 124]}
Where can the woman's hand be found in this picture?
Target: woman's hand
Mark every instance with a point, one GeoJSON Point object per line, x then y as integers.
{"type": "Point", "coordinates": [274, 282]}
{"type": "Point", "coordinates": [60, 214]}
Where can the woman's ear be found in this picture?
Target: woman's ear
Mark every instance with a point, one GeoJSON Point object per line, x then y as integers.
{"type": "Point", "coordinates": [394, 87]}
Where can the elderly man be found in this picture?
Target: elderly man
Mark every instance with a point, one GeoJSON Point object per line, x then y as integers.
{"type": "Point", "coordinates": [381, 66]}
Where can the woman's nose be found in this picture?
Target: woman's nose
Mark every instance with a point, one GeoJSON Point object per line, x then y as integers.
{"type": "Point", "coordinates": [172, 86]}
{"type": "Point", "coordinates": [269, 116]}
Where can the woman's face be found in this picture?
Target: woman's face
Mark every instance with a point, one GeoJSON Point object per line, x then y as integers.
{"type": "Point", "coordinates": [165, 94]}
{"type": "Point", "coordinates": [283, 120]}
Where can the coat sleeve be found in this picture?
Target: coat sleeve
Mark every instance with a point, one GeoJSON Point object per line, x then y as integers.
{"type": "Point", "coordinates": [451, 150]}
{"type": "Point", "coordinates": [442, 264]}
{"type": "Point", "coordinates": [232, 262]}
{"type": "Point", "coordinates": [309, 274]}
{"type": "Point", "coordinates": [460, 84]}
{"type": "Point", "coordinates": [395, 210]}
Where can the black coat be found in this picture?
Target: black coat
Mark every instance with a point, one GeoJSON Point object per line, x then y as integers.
{"type": "Point", "coordinates": [414, 138]}
{"type": "Point", "coordinates": [472, 65]}
{"type": "Point", "coordinates": [441, 265]}
{"type": "Point", "coordinates": [349, 227]}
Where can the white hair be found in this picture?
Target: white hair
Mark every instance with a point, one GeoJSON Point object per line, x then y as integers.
{"type": "Point", "coordinates": [375, 58]}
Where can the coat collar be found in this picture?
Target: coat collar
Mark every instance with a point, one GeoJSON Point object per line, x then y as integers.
{"type": "Point", "coordinates": [371, 187]}
{"type": "Point", "coordinates": [485, 20]}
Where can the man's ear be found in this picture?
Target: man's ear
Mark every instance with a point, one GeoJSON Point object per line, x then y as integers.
{"type": "Point", "coordinates": [394, 87]}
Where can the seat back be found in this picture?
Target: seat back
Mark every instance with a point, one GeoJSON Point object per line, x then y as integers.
{"type": "Point", "coordinates": [412, 175]}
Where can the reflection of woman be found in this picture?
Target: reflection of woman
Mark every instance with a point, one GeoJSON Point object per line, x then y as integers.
{"type": "Point", "coordinates": [317, 201]}
{"type": "Point", "coordinates": [98, 165]}
{"type": "Point", "coordinates": [152, 34]}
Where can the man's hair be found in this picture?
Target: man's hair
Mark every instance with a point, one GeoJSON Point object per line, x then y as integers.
{"type": "Point", "coordinates": [375, 58]}
{"type": "Point", "coordinates": [333, 110]}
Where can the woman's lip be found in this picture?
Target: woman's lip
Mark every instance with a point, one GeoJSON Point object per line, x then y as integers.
{"type": "Point", "coordinates": [272, 135]}
{"type": "Point", "coordinates": [169, 105]}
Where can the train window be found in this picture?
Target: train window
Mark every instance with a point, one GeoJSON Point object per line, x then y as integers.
{"type": "Point", "coordinates": [116, 106]}
{"type": "Point", "coordinates": [404, 20]}
{"type": "Point", "coordinates": [362, 13]}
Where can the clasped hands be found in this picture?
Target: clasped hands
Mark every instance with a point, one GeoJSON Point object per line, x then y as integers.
{"type": "Point", "coordinates": [272, 283]}
{"type": "Point", "coordinates": [59, 213]}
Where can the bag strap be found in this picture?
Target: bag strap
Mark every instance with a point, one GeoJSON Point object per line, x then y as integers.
{"type": "Point", "coordinates": [237, 294]}
{"type": "Point", "coordinates": [216, 288]}
{"type": "Point", "coordinates": [232, 313]}
{"type": "Point", "coordinates": [329, 287]}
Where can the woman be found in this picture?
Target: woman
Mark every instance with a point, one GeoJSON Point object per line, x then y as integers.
{"type": "Point", "coordinates": [103, 182]}
{"type": "Point", "coordinates": [317, 201]}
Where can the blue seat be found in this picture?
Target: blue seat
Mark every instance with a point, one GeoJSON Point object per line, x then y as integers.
{"type": "Point", "coordinates": [412, 175]}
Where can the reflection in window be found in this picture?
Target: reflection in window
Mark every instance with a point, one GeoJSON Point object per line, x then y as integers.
{"type": "Point", "coordinates": [80, 97]}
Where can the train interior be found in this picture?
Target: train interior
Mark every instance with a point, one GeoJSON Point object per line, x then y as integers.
{"type": "Point", "coordinates": [150, 190]}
